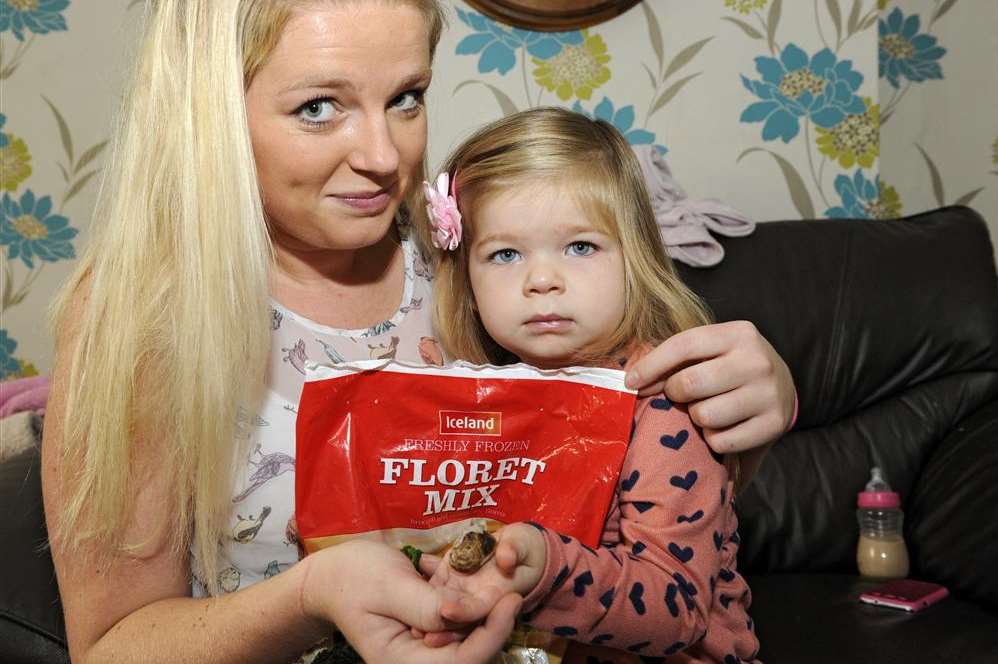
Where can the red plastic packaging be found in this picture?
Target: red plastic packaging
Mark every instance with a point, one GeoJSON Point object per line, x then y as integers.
{"type": "Point", "coordinates": [412, 455]}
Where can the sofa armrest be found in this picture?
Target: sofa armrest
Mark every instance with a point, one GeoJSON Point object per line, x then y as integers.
{"type": "Point", "coordinates": [31, 623]}
{"type": "Point", "coordinates": [952, 516]}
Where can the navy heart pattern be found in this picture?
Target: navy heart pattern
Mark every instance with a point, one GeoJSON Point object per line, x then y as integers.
{"type": "Point", "coordinates": [638, 548]}
{"type": "Point", "coordinates": [670, 599]}
{"type": "Point", "coordinates": [724, 494]}
{"type": "Point", "coordinates": [692, 518]}
{"type": "Point", "coordinates": [683, 554]}
{"type": "Point", "coordinates": [686, 589]}
{"type": "Point", "coordinates": [565, 631]}
{"type": "Point", "coordinates": [643, 505]}
{"type": "Point", "coordinates": [735, 539]}
{"type": "Point", "coordinates": [732, 659]}
{"type": "Point", "coordinates": [606, 599]}
{"type": "Point", "coordinates": [560, 579]}
{"type": "Point", "coordinates": [684, 482]}
{"type": "Point", "coordinates": [718, 540]}
{"type": "Point", "coordinates": [725, 600]}
{"type": "Point", "coordinates": [661, 403]}
{"type": "Point", "coordinates": [565, 538]}
{"type": "Point", "coordinates": [674, 648]}
{"type": "Point", "coordinates": [631, 480]}
{"type": "Point", "coordinates": [675, 442]}
{"type": "Point", "coordinates": [726, 575]}
{"type": "Point", "coordinates": [637, 590]}
{"type": "Point", "coordinates": [602, 638]}
{"type": "Point", "coordinates": [581, 581]}
{"type": "Point", "coordinates": [638, 647]}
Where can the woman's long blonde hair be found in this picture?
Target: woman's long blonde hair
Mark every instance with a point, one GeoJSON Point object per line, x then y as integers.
{"type": "Point", "coordinates": [591, 161]}
{"type": "Point", "coordinates": [173, 337]}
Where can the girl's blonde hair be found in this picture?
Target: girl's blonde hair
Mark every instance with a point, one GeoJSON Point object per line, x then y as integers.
{"type": "Point", "coordinates": [591, 161]}
{"type": "Point", "coordinates": [173, 335]}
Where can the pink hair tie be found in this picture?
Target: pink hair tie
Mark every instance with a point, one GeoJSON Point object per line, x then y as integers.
{"type": "Point", "coordinates": [445, 218]}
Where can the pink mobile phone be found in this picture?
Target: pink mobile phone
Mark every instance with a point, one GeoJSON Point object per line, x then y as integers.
{"type": "Point", "coordinates": [905, 594]}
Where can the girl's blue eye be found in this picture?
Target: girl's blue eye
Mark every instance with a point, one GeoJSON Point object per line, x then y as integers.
{"type": "Point", "coordinates": [504, 256]}
{"type": "Point", "coordinates": [409, 102]}
{"type": "Point", "coordinates": [581, 248]}
{"type": "Point", "coordinates": [317, 111]}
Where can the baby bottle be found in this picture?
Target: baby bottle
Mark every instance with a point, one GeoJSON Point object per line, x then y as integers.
{"type": "Point", "coordinates": [881, 552]}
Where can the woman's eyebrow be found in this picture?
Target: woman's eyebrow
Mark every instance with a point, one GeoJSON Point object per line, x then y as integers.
{"type": "Point", "coordinates": [323, 81]}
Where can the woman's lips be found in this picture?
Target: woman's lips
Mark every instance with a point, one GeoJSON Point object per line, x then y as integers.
{"type": "Point", "coordinates": [368, 203]}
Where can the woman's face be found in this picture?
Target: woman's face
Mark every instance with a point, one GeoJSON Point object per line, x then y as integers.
{"type": "Point", "coordinates": [337, 122]}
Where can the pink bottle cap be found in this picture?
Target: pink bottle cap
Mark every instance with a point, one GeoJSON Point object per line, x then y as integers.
{"type": "Point", "coordinates": [878, 500]}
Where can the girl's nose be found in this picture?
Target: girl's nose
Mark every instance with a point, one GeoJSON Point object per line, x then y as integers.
{"type": "Point", "coordinates": [543, 278]}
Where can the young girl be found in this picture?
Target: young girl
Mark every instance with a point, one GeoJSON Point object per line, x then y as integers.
{"type": "Point", "coordinates": [549, 254]}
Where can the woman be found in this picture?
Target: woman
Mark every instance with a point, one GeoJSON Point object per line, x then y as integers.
{"type": "Point", "coordinates": [265, 149]}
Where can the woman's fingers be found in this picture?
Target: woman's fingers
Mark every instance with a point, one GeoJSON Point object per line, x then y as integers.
{"type": "Point", "coordinates": [486, 640]}
{"type": "Point", "coordinates": [459, 607]}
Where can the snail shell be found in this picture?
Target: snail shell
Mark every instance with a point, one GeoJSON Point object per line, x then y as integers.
{"type": "Point", "coordinates": [472, 550]}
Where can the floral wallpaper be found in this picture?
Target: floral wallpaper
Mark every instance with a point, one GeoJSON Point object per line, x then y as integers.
{"type": "Point", "coordinates": [866, 109]}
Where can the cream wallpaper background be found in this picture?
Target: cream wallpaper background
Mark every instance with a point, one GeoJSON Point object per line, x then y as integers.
{"type": "Point", "coordinates": [784, 109]}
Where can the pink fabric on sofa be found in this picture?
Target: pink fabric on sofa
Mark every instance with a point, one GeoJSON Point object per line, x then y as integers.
{"type": "Point", "coordinates": [24, 394]}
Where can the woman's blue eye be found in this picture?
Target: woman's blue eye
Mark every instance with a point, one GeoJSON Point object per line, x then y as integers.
{"type": "Point", "coordinates": [504, 256]}
{"type": "Point", "coordinates": [581, 248]}
{"type": "Point", "coordinates": [317, 111]}
{"type": "Point", "coordinates": [409, 102]}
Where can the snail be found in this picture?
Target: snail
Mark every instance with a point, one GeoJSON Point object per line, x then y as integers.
{"type": "Point", "coordinates": [472, 550]}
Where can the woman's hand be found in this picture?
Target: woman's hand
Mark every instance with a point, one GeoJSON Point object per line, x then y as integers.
{"type": "Point", "coordinates": [739, 389]}
{"type": "Point", "coordinates": [372, 593]}
{"type": "Point", "coordinates": [516, 567]}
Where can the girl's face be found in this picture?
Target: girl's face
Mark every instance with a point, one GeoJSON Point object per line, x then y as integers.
{"type": "Point", "coordinates": [548, 284]}
{"type": "Point", "coordinates": [337, 123]}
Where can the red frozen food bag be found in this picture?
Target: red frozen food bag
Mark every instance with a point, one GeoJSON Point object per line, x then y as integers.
{"type": "Point", "coordinates": [414, 456]}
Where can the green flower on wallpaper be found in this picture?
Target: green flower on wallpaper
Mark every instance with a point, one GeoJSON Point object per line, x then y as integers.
{"type": "Point", "coordinates": [15, 160]}
{"type": "Point", "coordinates": [37, 16]}
{"type": "Point", "coordinates": [576, 70]}
{"type": "Point", "coordinates": [854, 140]}
{"type": "Point", "coordinates": [745, 6]}
{"type": "Point", "coordinates": [864, 199]}
{"type": "Point", "coordinates": [906, 54]}
{"type": "Point", "coordinates": [28, 230]}
{"type": "Point", "coordinates": [623, 120]}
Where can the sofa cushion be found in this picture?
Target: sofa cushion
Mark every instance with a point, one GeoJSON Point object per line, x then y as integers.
{"type": "Point", "coordinates": [818, 618]}
{"type": "Point", "coordinates": [31, 624]}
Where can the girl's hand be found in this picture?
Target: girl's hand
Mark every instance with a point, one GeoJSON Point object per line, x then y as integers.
{"type": "Point", "coordinates": [516, 567]}
{"type": "Point", "coordinates": [739, 389]}
{"type": "Point", "coordinates": [372, 593]}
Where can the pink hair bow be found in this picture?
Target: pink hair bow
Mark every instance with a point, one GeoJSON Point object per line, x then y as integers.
{"type": "Point", "coordinates": [445, 218]}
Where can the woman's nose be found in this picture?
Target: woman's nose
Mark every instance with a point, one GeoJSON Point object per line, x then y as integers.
{"type": "Point", "coordinates": [374, 150]}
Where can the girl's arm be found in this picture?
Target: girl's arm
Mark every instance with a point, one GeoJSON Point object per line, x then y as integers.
{"type": "Point", "coordinates": [652, 589]}
{"type": "Point", "coordinates": [739, 390]}
{"type": "Point", "coordinates": [137, 608]}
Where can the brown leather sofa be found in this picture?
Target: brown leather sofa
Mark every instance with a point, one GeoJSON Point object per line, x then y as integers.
{"type": "Point", "coordinates": [891, 331]}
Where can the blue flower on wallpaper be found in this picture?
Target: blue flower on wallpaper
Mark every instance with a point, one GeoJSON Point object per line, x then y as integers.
{"type": "Point", "coordinates": [28, 230]}
{"type": "Point", "coordinates": [38, 16]}
{"type": "Point", "coordinates": [859, 197]}
{"type": "Point", "coordinates": [623, 120]}
{"type": "Point", "coordinates": [8, 365]}
{"type": "Point", "coordinates": [3, 137]}
{"type": "Point", "coordinates": [906, 54]}
{"type": "Point", "coordinates": [822, 88]}
{"type": "Point", "coordinates": [498, 44]}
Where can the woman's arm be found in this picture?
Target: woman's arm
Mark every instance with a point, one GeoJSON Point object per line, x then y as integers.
{"type": "Point", "coordinates": [137, 608]}
{"type": "Point", "coordinates": [739, 390]}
